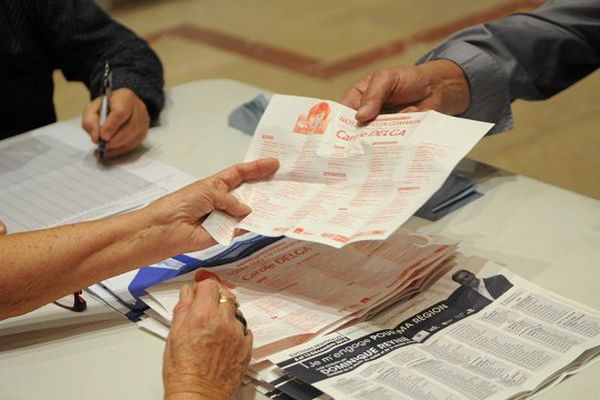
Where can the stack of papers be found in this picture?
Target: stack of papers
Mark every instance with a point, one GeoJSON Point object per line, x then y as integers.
{"type": "Point", "coordinates": [292, 290]}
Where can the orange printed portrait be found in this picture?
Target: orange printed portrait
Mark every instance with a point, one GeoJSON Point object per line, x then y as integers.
{"type": "Point", "coordinates": [315, 122]}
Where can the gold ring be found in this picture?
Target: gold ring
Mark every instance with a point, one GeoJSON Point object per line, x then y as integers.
{"type": "Point", "coordinates": [228, 299]}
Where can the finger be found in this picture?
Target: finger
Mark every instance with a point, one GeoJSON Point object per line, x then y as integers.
{"type": "Point", "coordinates": [381, 85]}
{"type": "Point", "coordinates": [3, 229]}
{"type": "Point", "coordinates": [133, 131]}
{"type": "Point", "coordinates": [118, 151]}
{"type": "Point", "coordinates": [410, 109]}
{"type": "Point", "coordinates": [239, 316]}
{"type": "Point", "coordinates": [207, 297]}
{"type": "Point", "coordinates": [186, 298]}
{"type": "Point", "coordinates": [230, 204]}
{"type": "Point", "coordinates": [120, 112]}
{"type": "Point", "coordinates": [248, 339]}
{"type": "Point", "coordinates": [90, 120]}
{"type": "Point", "coordinates": [203, 274]}
{"type": "Point", "coordinates": [124, 136]}
{"type": "Point", "coordinates": [352, 97]}
{"type": "Point", "coordinates": [227, 308]}
{"type": "Point", "coordinates": [258, 169]}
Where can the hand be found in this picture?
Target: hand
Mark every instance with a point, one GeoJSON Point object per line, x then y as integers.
{"type": "Point", "coordinates": [182, 212]}
{"type": "Point", "coordinates": [126, 125]}
{"type": "Point", "coordinates": [207, 351]}
{"type": "Point", "coordinates": [438, 85]}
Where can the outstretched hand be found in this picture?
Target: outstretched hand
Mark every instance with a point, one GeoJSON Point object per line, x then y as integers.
{"type": "Point", "coordinates": [436, 85]}
{"type": "Point", "coordinates": [182, 212]}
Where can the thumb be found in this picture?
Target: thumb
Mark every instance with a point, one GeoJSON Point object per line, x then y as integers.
{"type": "Point", "coordinates": [375, 95]}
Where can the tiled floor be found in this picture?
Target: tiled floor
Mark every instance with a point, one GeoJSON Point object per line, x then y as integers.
{"type": "Point", "coordinates": [317, 48]}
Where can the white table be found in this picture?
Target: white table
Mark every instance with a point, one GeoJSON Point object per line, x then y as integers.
{"type": "Point", "coordinates": [548, 235]}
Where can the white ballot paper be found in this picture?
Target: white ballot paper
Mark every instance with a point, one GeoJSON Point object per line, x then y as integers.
{"type": "Point", "coordinates": [340, 182]}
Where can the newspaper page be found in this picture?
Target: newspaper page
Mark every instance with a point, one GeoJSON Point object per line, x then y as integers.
{"type": "Point", "coordinates": [340, 182]}
{"type": "Point", "coordinates": [480, 332]}
{"type": "Point", "coordinates": [291, 290]}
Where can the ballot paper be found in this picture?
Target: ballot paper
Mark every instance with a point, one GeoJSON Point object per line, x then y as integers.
{"type": "Point", "coordinates": [292, 290]}
{"type": "Point", "coordinates": [340, 182]}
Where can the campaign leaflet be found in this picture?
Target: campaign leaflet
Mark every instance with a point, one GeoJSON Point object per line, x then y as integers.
{"type": "Point", "coordinates": [480, 332]}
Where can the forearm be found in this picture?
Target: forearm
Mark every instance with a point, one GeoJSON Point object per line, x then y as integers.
{"type": "Point", "coordinates": [80, 37]}
{"type": "Point", "coordinates": [41, 266]}
{"type": "Point", "coordinates": [525, 56]}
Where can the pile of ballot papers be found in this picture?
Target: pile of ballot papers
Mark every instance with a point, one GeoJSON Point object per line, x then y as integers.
{"type": "Point", "coordinates": [293, 290]}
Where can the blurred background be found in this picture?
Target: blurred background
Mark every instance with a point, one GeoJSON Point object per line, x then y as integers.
{"type": "Point", "coordinates": [319, 48]}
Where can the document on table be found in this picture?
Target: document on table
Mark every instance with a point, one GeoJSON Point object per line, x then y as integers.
{"type": "Point", "coordinates": [50, 177]}
{"type": "Point", "coordinates": [340, 182]}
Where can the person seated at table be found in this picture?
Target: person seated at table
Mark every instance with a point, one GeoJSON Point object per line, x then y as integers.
{"type": "Point", "coordinates": [480, 70]}
{"type": "Point", "coordinates": [207, 350]}
{"type": "Point", "coordinates": [78, 38]}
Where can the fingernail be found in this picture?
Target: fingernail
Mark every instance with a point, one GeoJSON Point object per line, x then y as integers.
{"type": "Point", "coordinates": [245, 208]}
{"type": "Point", "coordinates": [362, 111]}
{"type": "Point", "coordinates": [410, 109]}
{"type": "Point", "coordinates": [203, 274]}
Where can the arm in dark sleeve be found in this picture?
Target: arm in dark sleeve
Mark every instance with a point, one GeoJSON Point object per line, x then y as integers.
{"type": "Point", "coordinates": [527, 56]}
{"type": "Point", "coordinates": [80, 37]}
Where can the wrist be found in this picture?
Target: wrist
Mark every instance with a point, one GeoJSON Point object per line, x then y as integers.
{"type": "Point", "coordinates": [187, 387]}
{"type": "Point", "coordinates": [151, 235]}
{"type": "Point", "coordinates": [448, 81]}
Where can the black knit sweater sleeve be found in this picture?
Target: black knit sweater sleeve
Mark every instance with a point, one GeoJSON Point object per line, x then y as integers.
{"type": "Point", "coordinates": [79, 38]}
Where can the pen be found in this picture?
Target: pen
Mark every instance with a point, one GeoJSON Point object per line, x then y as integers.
{"type": "Point", "coordinates": [105, 105]}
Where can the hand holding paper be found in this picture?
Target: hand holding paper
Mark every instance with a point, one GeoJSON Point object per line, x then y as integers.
{"type": "Point", "coordinates": [341, 182]}
{"type": "Point", "coordinates": [181, 211]}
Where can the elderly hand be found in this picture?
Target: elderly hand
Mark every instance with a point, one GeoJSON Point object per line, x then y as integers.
{"type": "Point", "coordinates": [182, 212]}
{"type": "Point", "coordinates": [126, 125]}
{"type": "Point", "coordinates": [438, 85]}
{"type": "Point", "coordinates": [207, 350]}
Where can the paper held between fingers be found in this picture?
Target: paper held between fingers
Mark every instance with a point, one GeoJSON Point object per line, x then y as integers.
{"type": "Point", "coordinates": [340, 182]}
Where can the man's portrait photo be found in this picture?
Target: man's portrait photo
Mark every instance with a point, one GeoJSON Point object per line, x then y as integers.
{"type": "Point", "coordinates": [475, 292]}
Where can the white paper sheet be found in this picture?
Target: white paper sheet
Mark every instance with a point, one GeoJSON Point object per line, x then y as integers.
{"type": "Point", "coordinates": [339, 182]}
{"type": "Point", "coordinates": [50, 178]}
